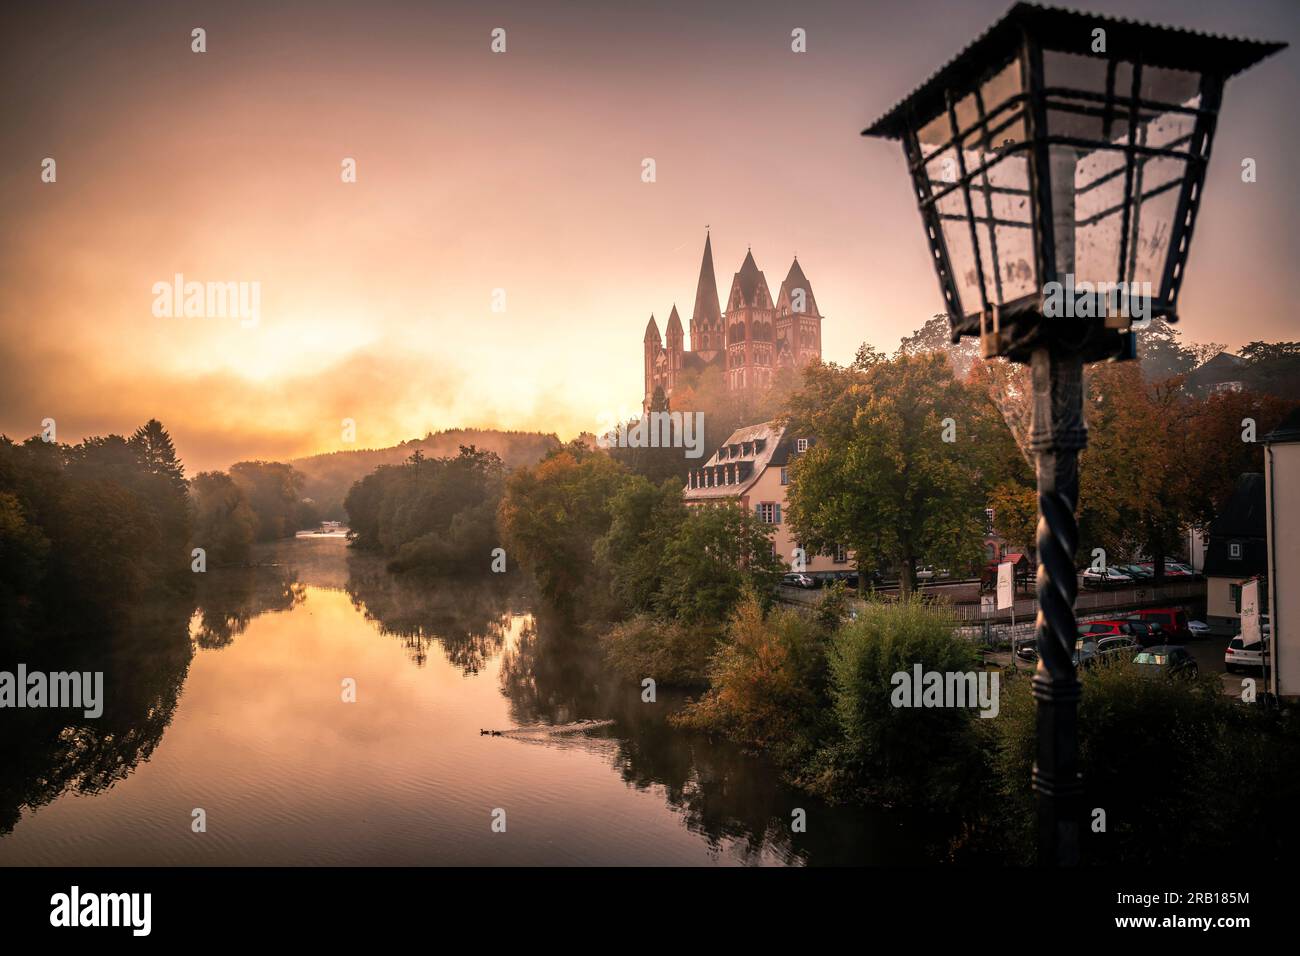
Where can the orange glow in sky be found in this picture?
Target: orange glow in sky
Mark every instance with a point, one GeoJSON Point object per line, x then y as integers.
{"type": "Point", "coordinates": [478, 171]}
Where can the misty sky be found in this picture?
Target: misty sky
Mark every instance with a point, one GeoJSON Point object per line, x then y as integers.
{"type": "Point", "coordinates": [478, 171]}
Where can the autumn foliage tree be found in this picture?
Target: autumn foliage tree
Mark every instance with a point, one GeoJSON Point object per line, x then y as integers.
{"type": "Point", "coordinates": [1159, 460]}
{"type": "Point", "coordinates": [552, 515]}
{"type": "Point", "coordinates": [903, 457]}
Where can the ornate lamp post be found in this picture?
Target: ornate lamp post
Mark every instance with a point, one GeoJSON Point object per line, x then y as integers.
{"type": "Point", "coordinates": [1058, 163]}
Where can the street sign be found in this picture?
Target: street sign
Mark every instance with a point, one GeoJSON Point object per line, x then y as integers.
{"type": "Point", "coordinates": [1006, 585]}
{"type": "Point", "coordinates": [1250, 633]}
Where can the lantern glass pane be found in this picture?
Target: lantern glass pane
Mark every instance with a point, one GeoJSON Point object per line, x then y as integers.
{"type": "Point", "coordinates": [1013, 226]}
{"type": "Point", "coordinates": [1098, 215]}
{"type": "Point", "coordinates": [941, 169]}
{"type": "Point", "coordinates": [1075, 71]}
{"type": "Point", "coordinates": [1152, 220]}
{"type": "Point", "coordinates": [935, 134]}
{"type": "Point", "coordinates": [961, 255]}
{"type": "Point", "coordinates": [1167, 130]}
{"type": "Point", "coordinates": [1001, 87]}
{"type": "Point", "coordinates": [1176, 87]}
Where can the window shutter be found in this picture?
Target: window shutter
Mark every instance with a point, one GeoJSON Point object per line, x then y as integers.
{"type": "Point", "coordinates": [778, 514]}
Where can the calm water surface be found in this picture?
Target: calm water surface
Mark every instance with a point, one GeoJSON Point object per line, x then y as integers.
{"type": "Point", "coordinates": [234, 706]}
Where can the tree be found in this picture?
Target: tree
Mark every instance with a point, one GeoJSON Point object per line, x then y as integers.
{"type": "Point", "coordinates": [274, 490]}
{"type": "Point", "coordinates": [435, 514]}
{"type": "Point", "coordinates": [1273, 367]}
{"type": "Point", "coordinates": [156, 451]}
{"type": "Point", "coordinates": [551, 516]}
{"type": "Point", "coordinates": [224, 523]}
{"type": "Point", "coordinates": [880, 476]}
{"type": "Point", "coordinates": [1216, 452]}
{"type": "Point", "coordinates": [1160, 354]}
{"type": "Point", "coordinates": [643, 520]}
{"type": "Point", "coordinates": [23, 551]}
{"type": "Point", "coordinates": [936, 336]}
{"type": "Point", "coordinates": [714, 555]}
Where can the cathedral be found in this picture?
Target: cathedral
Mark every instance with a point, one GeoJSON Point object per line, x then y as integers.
{"type": "Point", "coordinates": [749, 342]}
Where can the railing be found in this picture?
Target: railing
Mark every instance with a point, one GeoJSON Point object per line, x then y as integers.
{"type": "Point", "coordinates": [1090, 603]}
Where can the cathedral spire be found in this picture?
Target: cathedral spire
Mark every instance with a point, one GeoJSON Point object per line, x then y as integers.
{"type": "Point", "coordinates": [708, 313]}
{"type": "Point", "coordinates": [790, 299]}
{"type": "Point", "coordinates": [674, 329]}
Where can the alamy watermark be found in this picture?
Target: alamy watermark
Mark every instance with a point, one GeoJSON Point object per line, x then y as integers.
{"type": "Point", "coordinates": [1098, 300]}
{"type": "Point", "coordinates": [84, 689]}
{"type": "Point", "coordinates": [922, 688]}
{"type": "Point", "coordinates": [209, 300]}
{"type": "Point", "coordinates": [655, 430]}
{"type": "Point", "coordinates": [75, 908]}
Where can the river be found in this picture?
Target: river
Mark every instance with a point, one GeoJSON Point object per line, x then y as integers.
{"type": "Point", "coordinates": [233, 705]}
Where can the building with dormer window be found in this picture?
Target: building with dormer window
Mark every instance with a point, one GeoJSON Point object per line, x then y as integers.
{"type": "Point", "coordinates": [752, 467]}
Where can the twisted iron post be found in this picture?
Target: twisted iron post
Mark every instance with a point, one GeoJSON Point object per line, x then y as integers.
{"type": "Point", "coordinates": [1058, 435]}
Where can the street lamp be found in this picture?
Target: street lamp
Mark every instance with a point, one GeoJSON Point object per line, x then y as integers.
{"type": "Point", "coordinates": [1058, 163]}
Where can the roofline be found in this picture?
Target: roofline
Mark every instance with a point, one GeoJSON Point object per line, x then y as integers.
{"type": "Point", "coordinates": [1231, 54]}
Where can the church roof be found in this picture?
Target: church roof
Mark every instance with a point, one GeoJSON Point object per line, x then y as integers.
{"type": "Point", "coordinates": [795, 279]}
{"type": "Point", "coordinates": [694, 360]}
{"type": "Point", "coordinates": [674, 322]}
{"type": "Point", "coordinates": [749, 278]}
{"type": "Point", "coordinates": [651, 331]}
{"type": "Point", "coordinates": [750, 465]}
{"type": "Point", "coordinates": [707, 311]}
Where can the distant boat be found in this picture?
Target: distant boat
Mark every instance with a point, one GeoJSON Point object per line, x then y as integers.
{"type": "Point", "coordinates": [327, 529]}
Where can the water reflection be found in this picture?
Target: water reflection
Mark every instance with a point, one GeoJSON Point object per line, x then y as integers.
{"type": "Point", "coordinates": [47, 752]}
{"type": "Point", "coordinates": [291, 773]}
{"type": "Point", "coordinates": [467, 618]}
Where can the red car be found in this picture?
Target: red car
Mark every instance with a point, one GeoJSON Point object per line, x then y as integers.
{"type": "Point", "coordinates": [1172, 620]}
{"type": "Point", "coordinates": [1104, 628]}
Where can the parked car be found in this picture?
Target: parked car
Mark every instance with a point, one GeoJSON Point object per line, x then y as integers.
{"type": "Point", "coordinates": [1100, 628]}
{"type": "Point", "coordinates": [1198, 628]}
{"type": "Point", "coordinates": [875, 578]}
{"type": "Point", "coordinates": [1165, 660]}
{"type": "Point", "coordinates": [1106, 577]}
{"type": "Point", "coordinates": [1135, 571]}
{"type": "Point", "coordinates": [1117, 647]}
{"type": "Point", "coordinates": [1085, 652]}
{"type": "Point", "coordinates": [1171, 619]}
{"type": "Point", "coordinates": [849, 578]}
{"type": "Point", "coordinates": [1026, 649]}
{"type": "Point", "coordinates": [1242, 656]}
{"type": "Point", "coordinates": [798, 580]}
{"type": "Point", "coordinates": [1147, 633]}
{"type": "Point", "coordinates": [925, 573]}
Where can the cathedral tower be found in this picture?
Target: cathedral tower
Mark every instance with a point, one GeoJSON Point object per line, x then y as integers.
{"type": "Point", "coordinates": [674, 341]}
{"type": "Point", "coordinates": [798, 323]}
{"type": "Point", "coordinates": [750, 322]}
{"type": "Point", "coordinates": [652, 350]}
{"type": "Point", "coordinates": [707, 335]}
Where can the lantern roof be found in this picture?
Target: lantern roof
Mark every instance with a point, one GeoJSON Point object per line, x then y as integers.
{"type": "Point", "coordinates": [1056, 28]}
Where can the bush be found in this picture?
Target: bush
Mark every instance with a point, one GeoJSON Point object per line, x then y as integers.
{"type": "Point", "coordinates": [920, 757]}
{"type": "Point", "coordinates": [767, 682]}
{"type": "Point", "coordinates": [1184, 773]}
{"type": "Point", "coordinates": [671, 652]}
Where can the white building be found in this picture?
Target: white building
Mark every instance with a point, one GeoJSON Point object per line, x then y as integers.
{"type": "Point", "coordinates": [1282, 486]}
{"type": "Point", "coordinates": [753, 468]}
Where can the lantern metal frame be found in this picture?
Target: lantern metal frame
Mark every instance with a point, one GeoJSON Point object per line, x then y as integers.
{"type": "Point", "coordinates": [1018, 328]}
{"type": "Point", "coordinates": [1013, 328]}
